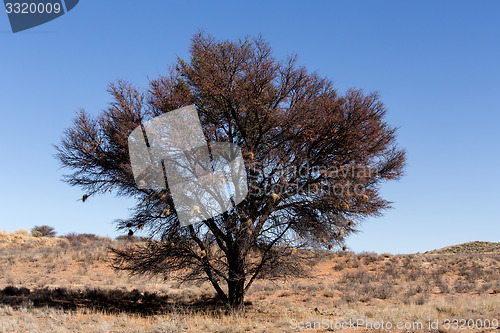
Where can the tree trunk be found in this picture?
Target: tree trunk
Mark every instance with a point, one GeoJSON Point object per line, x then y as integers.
{"type": "Point", "coordinates": [236, 282]}
{"type": "Point", "coordinates": [236, 291]}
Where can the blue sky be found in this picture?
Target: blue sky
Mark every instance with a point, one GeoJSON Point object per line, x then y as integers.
{"type": "Point", "coordinates": [435, 64]}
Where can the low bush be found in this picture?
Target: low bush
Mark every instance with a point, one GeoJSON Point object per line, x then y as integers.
{"type": "Point", "coordinates": [43, 231]}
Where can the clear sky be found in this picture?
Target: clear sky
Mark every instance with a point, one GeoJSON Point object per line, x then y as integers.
{"type": "Point", "coordinates": [436, 65]}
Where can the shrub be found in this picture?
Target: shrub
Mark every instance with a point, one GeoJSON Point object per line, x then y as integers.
{"type": "Point", "coordinates": [383, 291]}
{"type": "Point", "coordinates": [464, 286]}
{"type": "Point", "coordinates": [43, 231]}
{"type": "Point", "coordinates": [22, 233]}
{"type": "Point", "coordinates": [421, 299]}
{"type": "Point", "coordinates": [87, 239]}
{"type": "Point", "coordinates": [360, 276]}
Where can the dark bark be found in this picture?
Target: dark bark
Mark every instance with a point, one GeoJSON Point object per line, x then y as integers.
{"type": "Point", "coordinates": [236, 279]}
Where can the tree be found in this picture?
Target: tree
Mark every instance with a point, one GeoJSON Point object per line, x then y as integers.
{"type": "Point", "coordinates": [43, 231]}
{"type": "Point", "coordinates": [315, 160]}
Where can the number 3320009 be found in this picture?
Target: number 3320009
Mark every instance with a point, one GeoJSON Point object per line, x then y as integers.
{"type": "Point", "coordinates": [32, 8]}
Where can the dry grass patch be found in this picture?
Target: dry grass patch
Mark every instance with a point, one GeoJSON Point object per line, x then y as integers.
{"type": "Point", "coordinates": [69, 286]}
